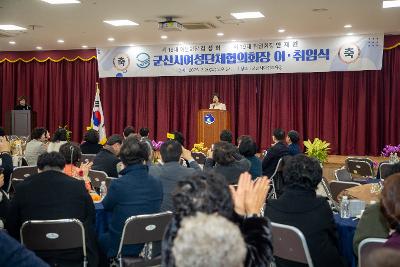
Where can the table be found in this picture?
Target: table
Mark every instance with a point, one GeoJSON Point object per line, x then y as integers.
{"type": "Point", "coordinates": [362, 192]}
{"type": "Point", "coordinates": [346, 229]}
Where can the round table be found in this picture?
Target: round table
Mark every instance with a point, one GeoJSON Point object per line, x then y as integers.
{"type": "Point", "coordinates": [365, 192]}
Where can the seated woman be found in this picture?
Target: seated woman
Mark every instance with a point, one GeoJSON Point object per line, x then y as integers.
{"type": "Point", "coordinates": [300, 207]}
{"type": "Point", "coordinates": [91, 142]}
{"type": "Point", "coordinates": [292, 139]}
{"type": "Point", "coordinates": [390, 206]}
{"type": "Point", "coordinates": [248, 149]}
{"type": "Point", "coordinates": [134, 193]}
{"type": "Point", "coordinates": [59, 138]}
{"type": "Point", "coordinates": [37, 145]}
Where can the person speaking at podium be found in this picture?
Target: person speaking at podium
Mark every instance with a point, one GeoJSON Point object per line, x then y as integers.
{"type": "Point", "coordinates": [22, 105]}
{"type": "Point", "coordinates": [216, 104]}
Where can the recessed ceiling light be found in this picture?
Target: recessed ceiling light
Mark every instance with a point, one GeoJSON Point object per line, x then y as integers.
{"type": "Point", "coordinates": [289, 37]}
{"type": "Point", "coordinates": [350, 33]}
{"type": "Point", "coordinates": [60, 41]}
{"type": "Point", "coordinates": [248, 15]}
{"type": "Point", "coordinates": [121, 22]}
{"type": "Point", "coordinates": [11, 28]}
{"type": "Point", "coordinates": [111, 39]}
{"type": "Point", "coordinates": [12, 42]}
{"type": "Point", "coordinates": [39, 47]}
{"type": "Point", "coordinates": [84, 46]}
{"type": "Point", "coordinates": [131, 44]}
{"type": "Point", "coordinates": [220, 34]}
{"type": "Point", "coordinates": [281, 30]}
{"type": "Point", "coordinates": [347, 26]}
{"type": "Point", "coordinates": [234, 40]}
{"type": "Point", "coordinates": [390, 4]}
{"type": "Point", "coordinates": [164, 37]}
{"type": "Point", "coordinates": [60, 2]}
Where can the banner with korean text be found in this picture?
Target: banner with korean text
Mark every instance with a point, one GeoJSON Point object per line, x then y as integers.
{"type": "Point", "coordinates": [344, 53]}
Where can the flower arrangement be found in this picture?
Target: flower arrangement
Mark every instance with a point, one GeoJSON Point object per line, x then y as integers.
{"type": "Point", "coordinates": [389, 149]}
{"type": "Point", "coordinates": [200, 148]}
{"type": "Point", "coordinates": [318, 149]}
{"type": "Point", "coordinates": [156, 145]}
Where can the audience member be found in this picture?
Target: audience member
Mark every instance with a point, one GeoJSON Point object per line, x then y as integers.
{"type": "Point", "coordinates": [52, 195]}
{"type": "Point", "coordinates": [248, 149]}
{"type": "Point", "coordinates": [128, 131]}
{"type": "Point", "coordinates": [171, 172]}
{"type": "Point", "coordinates": [226, 136]}
{"type": "Point", "coordinates": [226, 164]}
{"type": "Point", "coordinates": [134, 193]}
{"type": "Point", "coordinates": [209, 193]}
{"type": "Point", "coordinates": [59, 138]}
{"type": "Point", "coordinates": [3, 202]}
{"type": "Point", "coordinates": [277, 151]}
{"type": "Point", "coordinates": [299, 206]}
{"type": "Point", "coordinates": [6, 161]}
{"type": "Point", "coordinates": [107, 159]}
{"type": "Point", "coordinates": [36, 146]}
{"type": "Point", "coordinates": [208, 240]}
{"type": "Point", "coordinates": [91, 142]}
{"type": "Point", "coordinates": [383, 257]}
{"type": "Point", "coordinates": [293, 139]}
{"type": "Point", "coordinates": [144, 137]}
{"type": "Point", "coordinates": [390, 205]}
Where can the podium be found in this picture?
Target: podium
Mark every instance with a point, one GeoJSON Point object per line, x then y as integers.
{"type": "Point", "coordinates": [20, 122]}
{"type": "Point", "coordinates": [210, 123]}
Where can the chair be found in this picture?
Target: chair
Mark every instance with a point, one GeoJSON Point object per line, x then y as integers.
{"type": "Point", "coordinates": [109, 180]}
{"type": "Point", "coordinates": [143, 229]}
{"type": "Point", "coordinates": [87, 157]}
{"type": "Point", "coordinates": [384, 168]}
{"type": "Point", "coordinates": [325, 185]}
{"type": "Point", "coordinates": [366, 247]}
{"type": "Point", "coordinates": [360, 167]}
{"type": "Point", "coordinates": [21, 173]}
{"type": "Point", "coordinates": [199, 157]}
{"type": "Point", "coordinates": [54, 235]}
{"type": "Point", "coordinates": [275, 183]}
{"type": "Point", "coordinates": [96, 177]}
{"type": "Point", "coordinates": [290, 244]}
{"type": "Point", "coordinates": [335, 187]}
{"type": "Point", "coordinates": [343, 175]}
{"type": "Point", "coordinates": [15, 182]}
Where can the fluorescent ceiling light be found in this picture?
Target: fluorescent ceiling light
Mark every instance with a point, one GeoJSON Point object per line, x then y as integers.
{"type": "Point", "coordinates": [121, 22]}
{"type": "Point", "coordinates": [84, 46]}
{"type": "Point", "coordinates": [347, 26]}
{"type": "Point", "coordinates": [350, 33]}
{"type": "Point", "coordinates": [60, 41]}
{"type": "Point", "coordinates": [12, 42]}
{"type": "Point", "coordinates": [111, 39]}
{"type": "Point", "coordinates": [248, 15]}
{"type": "Point", "coordinates": [164, 37]}
{"type": "Point", "coordinates": [220, 34]}
{"type": "Point", "coordinates": [289, 37]}
{"type": "Point", "coordinates": [61, 2]}
{"type": "Point", "coordinates": [39, 47]}
{"type": "Point", "coordinates": [389, 4]}
{"type": "Point", "coordinates": [281, 30]}
{"type": "Point", "coordinates": [11, 28]}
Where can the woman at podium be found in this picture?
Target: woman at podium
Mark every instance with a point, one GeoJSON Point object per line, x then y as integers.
{"type": "Point", "coordinates": [22, 105]}
{"type": "Point", "coordinates": [216, 104]}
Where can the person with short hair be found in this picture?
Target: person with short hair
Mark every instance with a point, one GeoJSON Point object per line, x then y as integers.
{"type": "Point", "coordinates": [208, 240]}
{"type": "Point", "coordinates": [390, 206]}
{"type": "Point", "coordinates": [136, 192]}
{"type": "Point", "coordinates": [277, 151]}
{"type": "Point", "coordinates": [36, 146]}
{"type": "Point", "coordinates": [53, 195]}
{"type": "Point", "coordinates": [226, 136]}
{"type": "Point", "coordinates": [216, 104]}
{"type": "Point", "coordinates": [59, 138]}
{"type": "Point", "coordinates": [248, 149]}
{"type": "Point", "coordinates": [299, 206]}
{"type": "Point", "coordinates": [171, 172]}
{"type": "Point", "coordinates": [22, 105]}
{"type": "Point", "coordinates": [178, 136]}
{"type": "Point", "coordinates": [107, 159]}
{"type": "Point", "coordinates": [91, 142]}
{"type": "Point", "coordinates": [128, 131]}
{"type": "Point", "coordinates": [293, 139]}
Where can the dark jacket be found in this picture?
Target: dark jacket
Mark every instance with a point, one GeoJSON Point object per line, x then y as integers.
{"type": "Point", "coordinates": [312, 215]}
{"type": "Point", "coordinates": [255, 167]}
{"type": "Point", "coordinates": [256, 233]}
{"type": "Point", "coordinates": [22, 107]}
{"type": "Point", "coordinates": [7, 164]}
{"type": "Point", "coordinates": [170, 174]}
{"type": "Point", "coordinates": [272, 157]}
{"type": "Point", "coordinates": [294, 149]}
{"type": "Point", "coordinates": [232, 171]}
{"type": "Point", "coordinates": [52, 195]}
{"type": "Point", "coordinates": [107, 162]}
{"type": "Point", "coordinates": [135, 193]}
{"type": "Point", "coordinates": [90, 148]}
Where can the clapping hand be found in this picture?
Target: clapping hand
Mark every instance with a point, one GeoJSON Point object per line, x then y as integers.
{"type": "Point", "coordinates": [186, 154]}
{"type": "Point", "coordinates": [85, 167]}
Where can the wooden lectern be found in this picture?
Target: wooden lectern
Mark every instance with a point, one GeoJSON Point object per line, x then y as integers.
{"type": "Point", "coordinates": [21, 122]}
{"type": "Point", "coordinates": [210, 123]}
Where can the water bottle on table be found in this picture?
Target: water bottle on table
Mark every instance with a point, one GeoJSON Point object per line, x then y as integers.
{"type": "Point", "coordinates": [344, 207]}
{"type": "Point", "coordinates": [103, 189]}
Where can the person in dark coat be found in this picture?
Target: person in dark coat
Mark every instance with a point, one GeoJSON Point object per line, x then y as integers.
{"type": "Point", "coordinates": [293, 139]}
{"type": "Point", "coordinates": [91, 142]}
{"type": "Point", "coordinates": [277, 151]}
{"type": "Point", "coordinates": [248, 148]}
{"type": "Point", "coordinates": [134, 193]}
{"type": "Point", "coordinates": [107, 159]}
{"type": "Point", "coordinates": [52, 195]}
{"type": "Point", "coordinates": [225, 162]}
{"type": "Point", "coordinates": [300, 207]}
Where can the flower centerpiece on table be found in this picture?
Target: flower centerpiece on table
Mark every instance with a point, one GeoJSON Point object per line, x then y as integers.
{"type": "Point", "coordinates": [200, 148]}
{"type": "Point", "coordinates": [317, 149]}
{"type": "Point", "coordinates": [391, 152]}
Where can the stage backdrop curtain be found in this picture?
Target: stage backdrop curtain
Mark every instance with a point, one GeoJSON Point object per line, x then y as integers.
{"type": "Point", "coordinates": [357, 112]}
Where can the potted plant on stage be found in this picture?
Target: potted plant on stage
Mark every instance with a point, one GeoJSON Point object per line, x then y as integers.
{"type": "Point", "coordinates": [317, 149]}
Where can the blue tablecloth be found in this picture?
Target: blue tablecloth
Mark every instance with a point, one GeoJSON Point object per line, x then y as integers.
{"type": "Point", "coordinates": [102, 218]}
{"type": "Point", "coordinates": [346, 229]}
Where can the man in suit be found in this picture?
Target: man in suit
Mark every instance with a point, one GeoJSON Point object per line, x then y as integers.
{"type": "Point", "coordinates": [107, 159]}
{"type": "Point", "coordinates": [171, 172]}
{"type": "Point", "coordinates": [278, 150]}
{"type": "Point", "coordinates": [52, 195]}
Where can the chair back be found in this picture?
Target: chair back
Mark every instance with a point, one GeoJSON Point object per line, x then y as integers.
{"type": "Point", "coordinates": [335, 187]}
{"type": "Point", "coordinates": [343, 175]}
{"type": "Point", "coordinates": [15, 182]}
{"type": "Point", "coordinates": [87, 157]}
{"type": "Point", "coordinates": [325, 185]}
{"type": "Point", "coordinates": [366, 247]}
{"type": "Point", "coordinates": [290, 244]}
{"type": "Point", "coordinates": [275, 183]}
{"type": "Point", "coordinates": [360, 167]}
{"type": "Point", "coordinates": [96, 177]}
{"type": "Point", "coordinates": [384, 168]}
{"type": "Point", "coordinates": [21, 173]}
{"type": "Point", "coordinates": [109, 180]}
{"type": "Point", "coordinates": [199, 157]}
{"type": "Point", "coordinates": [54, 235]}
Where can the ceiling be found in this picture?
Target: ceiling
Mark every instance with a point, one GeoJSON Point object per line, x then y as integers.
{"type": "Point", "coordinates": [82, 24]}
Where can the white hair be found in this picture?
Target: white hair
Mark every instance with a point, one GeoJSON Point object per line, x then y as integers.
{"type": "Point", "coordinates": [209, 240]}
